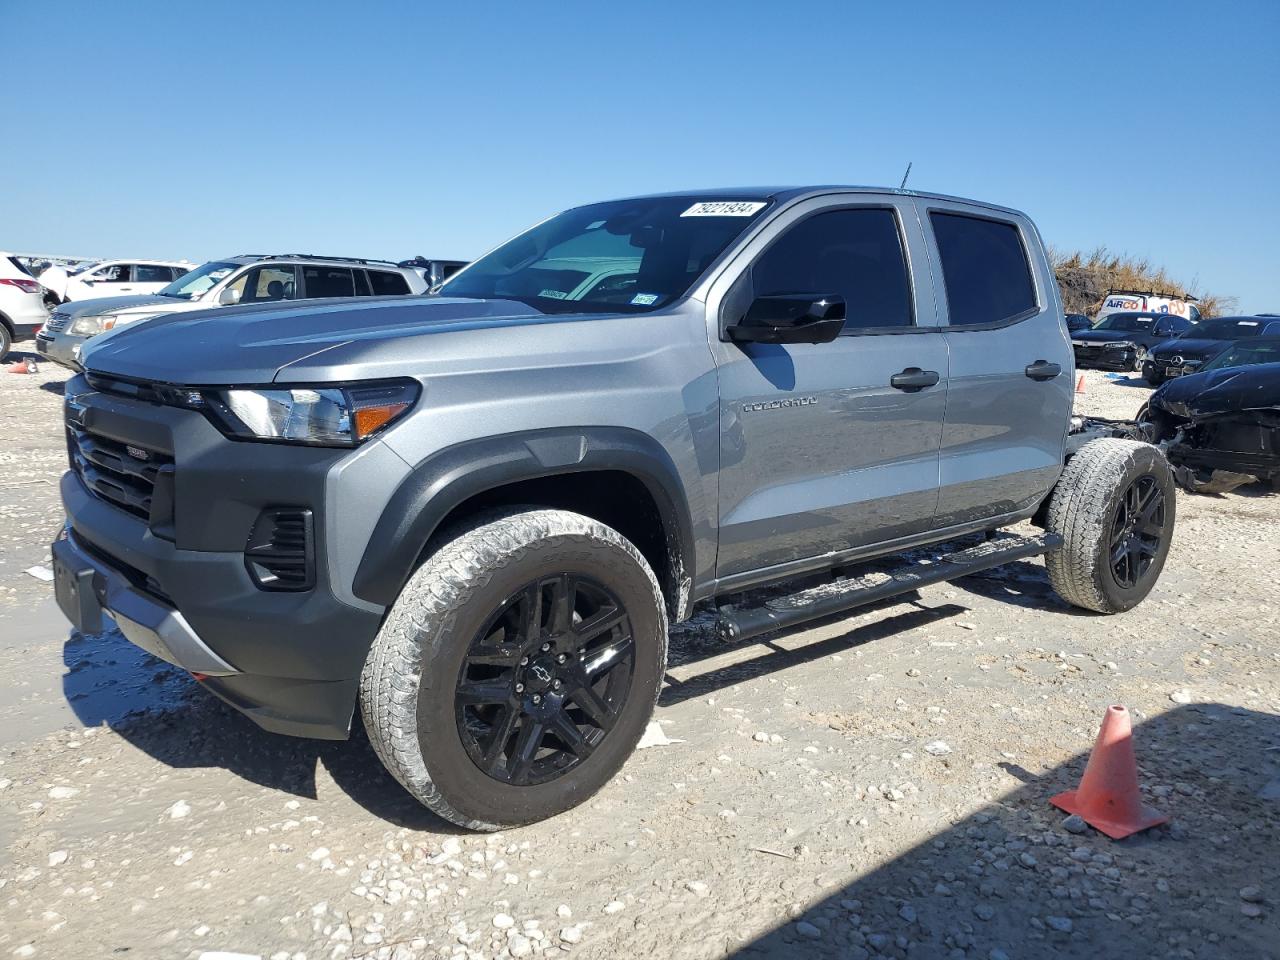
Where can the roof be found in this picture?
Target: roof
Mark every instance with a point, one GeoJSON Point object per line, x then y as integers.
{"type": "Point", "coordinates": [788, 194]}
{"type": "Point", "coordinates": [308, 258]}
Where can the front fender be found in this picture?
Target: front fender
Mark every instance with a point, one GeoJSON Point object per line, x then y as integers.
{"type": "Point", "coordinates": [447, 479]}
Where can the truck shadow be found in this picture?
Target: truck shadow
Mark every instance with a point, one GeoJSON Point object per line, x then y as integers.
{"type": "Point", "coordinates": [160, 710]}
{"type": "Point", "coordinates": [1006, 880]}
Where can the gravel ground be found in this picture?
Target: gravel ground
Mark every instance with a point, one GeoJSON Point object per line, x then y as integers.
{"type": "Point", "coordinates": [874, 786]}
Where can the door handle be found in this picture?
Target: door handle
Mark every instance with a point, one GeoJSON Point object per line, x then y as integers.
{"type": "Point", "coordinates": [1042, 370]}
{"type": "Point", "coordinates": [913, 378]}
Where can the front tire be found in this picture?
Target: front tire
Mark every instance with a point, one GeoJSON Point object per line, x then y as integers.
{"type": "Point", "coordinates": [518, 668]}
{"type": "Point", "coordinates": [6, 341]}
{"type": "Point", "coordinates": [1114, 507]}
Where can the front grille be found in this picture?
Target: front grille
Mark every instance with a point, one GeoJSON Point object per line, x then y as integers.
{"type": "Point", "coordinates": [122, 474]}
{"type": "Point", "coordinates": [57, 322]}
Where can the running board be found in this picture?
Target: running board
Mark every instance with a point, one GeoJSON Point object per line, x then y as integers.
{"type": "Point", "coordinates": [742, 623]}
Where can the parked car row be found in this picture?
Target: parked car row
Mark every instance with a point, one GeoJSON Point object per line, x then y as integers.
{"type": "Point", "coordinates": [1160, 346]}
{"type": "Point", "coordinates": [244, 279]}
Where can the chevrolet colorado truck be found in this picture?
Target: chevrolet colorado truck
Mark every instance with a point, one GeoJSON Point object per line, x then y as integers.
{"type": "Point", "coordinates": [470, 518]}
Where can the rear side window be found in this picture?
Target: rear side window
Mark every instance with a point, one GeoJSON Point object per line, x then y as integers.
{"type": "Point", "coordinates": [854, 253]}
{"type": "Point", "coordinates": [149, 273]}
{"type": "Point", "coordinates": [387, 284]}
{"type": "Point", "coordinates": [984, 268]}
{"type": "Point", "coordinates": [330, 282]}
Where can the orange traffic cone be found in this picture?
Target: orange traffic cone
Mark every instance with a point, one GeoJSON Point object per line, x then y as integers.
{"type": "Point", "coordinates": [1108, 798]}
{"type": "Point", "coordinates": [1080, 384]}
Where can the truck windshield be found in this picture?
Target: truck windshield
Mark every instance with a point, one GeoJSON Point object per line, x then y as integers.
{"type": "Point", "coordinates": [191, 285]}
{"type": "Point", "coordinates": [1229, 328]}
{"type": "Point", "coordinates": [626, 256]}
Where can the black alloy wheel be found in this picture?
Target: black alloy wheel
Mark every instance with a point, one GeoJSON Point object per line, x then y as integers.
{"type": "Point", "coordinates": [545, 680]}
{"type": "Point", "coordinates": [1137, 531]}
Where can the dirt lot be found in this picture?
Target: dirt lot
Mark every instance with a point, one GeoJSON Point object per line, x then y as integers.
{"type": "Point", "coordinates": [875, 786]}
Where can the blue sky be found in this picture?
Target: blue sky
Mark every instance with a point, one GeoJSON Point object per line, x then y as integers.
{"type": "Point", "coordinates": [391, 129]}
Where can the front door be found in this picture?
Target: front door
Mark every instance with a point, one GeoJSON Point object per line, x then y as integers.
{"type": "Point", "coordinates": [819, 451]}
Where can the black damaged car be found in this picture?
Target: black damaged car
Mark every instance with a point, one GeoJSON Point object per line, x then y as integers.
{"type": "Point", "coordinates": [1193, 351]}
{"type": "Point", "coordinates": [1120, 341]}
{"type": "Point", "coordinates": [1220, 427]}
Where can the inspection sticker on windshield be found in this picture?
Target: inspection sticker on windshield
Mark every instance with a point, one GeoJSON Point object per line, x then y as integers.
{"type": "Point", "coordinates": [724, 208]}
{"type": "Point", "coordinates": [644, 299]}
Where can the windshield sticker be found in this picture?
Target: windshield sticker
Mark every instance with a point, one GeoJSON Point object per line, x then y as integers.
{"type": "Point", "coordinates": [724, 208]}
{"type": "Point", "coordinates": [553, 294]}
{"type": "Point", "coordinates": [596, 225]}
{"type": "Point", "coordinates": [644, 299]}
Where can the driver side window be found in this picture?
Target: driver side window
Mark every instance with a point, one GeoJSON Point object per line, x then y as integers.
{"type": "Point", "coordinates": [269, 283]}
{"type": "Point", "coordinates": [854, 253]}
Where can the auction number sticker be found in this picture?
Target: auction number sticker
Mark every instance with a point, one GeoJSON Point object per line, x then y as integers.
{"type": "Point", "coordinates": [724, 208]}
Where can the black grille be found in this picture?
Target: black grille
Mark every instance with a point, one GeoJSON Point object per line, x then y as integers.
{"type": "Point", "coordinates": [279, 552]}
{"type": "Point", "coordinates": [56, 322]}
{"type": "Point", "coordinates": [123, 474]}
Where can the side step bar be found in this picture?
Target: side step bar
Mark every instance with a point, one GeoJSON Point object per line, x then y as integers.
{"type": "Point", "coordinates": [742, 623]}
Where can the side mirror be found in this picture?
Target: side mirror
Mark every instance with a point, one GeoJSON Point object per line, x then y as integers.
{"type": "Point", "coordinates": [229, 297]}
{"type": "Point", "coordinates": [791, 318]}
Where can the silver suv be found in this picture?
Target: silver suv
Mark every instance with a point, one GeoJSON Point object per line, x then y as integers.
{"type": "Point", "coordinates": [247, 278]}
{"type": "Point", "coordinates": [471, 516]}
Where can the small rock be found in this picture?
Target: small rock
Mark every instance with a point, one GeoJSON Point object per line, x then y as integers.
{"type": "Point", "coordinates": [319, 853]}
{"type": "Point", "coordinates": [913, 672]}
{"type": "Point", "coordinates": [571, 935]}
{"type": "Point", "coordinates": [563, 911]}
{"type": "Point", "coordinates": [1180, 696]}
{"type": "Point", "coordinates": [62, 793]}
{"type": "Point", "coordinates": [614, 906]}
{"type": "Point", "coordinates": [1251, 910]}
{"type": "Point", "coordinates": [760, 737]}
{"type": "Point", "coordinates": [984, 911]}
{"type": "Point", "coordinates": [519, 946]}
{"type": "Point", "coordinates": [504, 921]}
{"type": "Point", "coordinates": [907, 912]}
{"type": "Point", "coordinates": [937, 748]}
{"type": "Point", "coordinates": [697, 887]}
{"type": "Point", "coordinates": [26, 950]}
{"type": "Point", "coordinates": [1247, 894]}
{"type": "Point", "coordinates": [1027, 860]}
{"type": "Point", "coordinates": [997, 954]}
{"type": "Point", "coordinates": [1075, 824]}
{"type": "Point", "coordinates": [1061, 924]}
{"type": "Point", "coordinates": [808, 930]}
{"type": "Point", "coordinates": [58, 858]}
{"type": "Point", "coordinates": [179, 810]}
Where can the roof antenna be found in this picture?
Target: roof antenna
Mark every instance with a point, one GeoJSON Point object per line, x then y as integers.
{"type": "Point", "coordinates": [903, 184]}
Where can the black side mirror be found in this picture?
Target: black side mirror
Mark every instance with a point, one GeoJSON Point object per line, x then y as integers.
{"type": "Point", "coordinates": [791, 318]}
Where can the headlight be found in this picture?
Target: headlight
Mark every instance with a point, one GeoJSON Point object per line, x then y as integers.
{"type": "Point", "coordinates": [92, 326]}
{"type": "Point", "coordinates": [328, 416]}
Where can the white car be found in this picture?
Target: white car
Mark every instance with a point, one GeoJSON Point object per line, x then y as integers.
{"type": "Point", "coordinates": [113, 278]}
{"type": "Point", "coordinates": [22, 309]}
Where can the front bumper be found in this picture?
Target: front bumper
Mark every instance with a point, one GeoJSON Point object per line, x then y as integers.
{"type": "Point", "coordinates": [1105, 358]}
{"type": "Point", "coordinates": [175, 578]}
{"type": "Point", "coordinates": [61, 347]}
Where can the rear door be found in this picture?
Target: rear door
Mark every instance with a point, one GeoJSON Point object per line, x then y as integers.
{"type": "Point", "coordinates": [819, 453]}
{"type": "Point", "coordinates": [326, 281]}
{"type": "Point", "coordinates": [1010, 391]}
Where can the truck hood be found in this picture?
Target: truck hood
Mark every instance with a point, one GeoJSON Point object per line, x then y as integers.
{"type": "Point", "coordinates": [252, 344]}
{"type": "Point", "coordinates": [1217, 392]}
{"type": "Point", "coordinates": [1189, 348]}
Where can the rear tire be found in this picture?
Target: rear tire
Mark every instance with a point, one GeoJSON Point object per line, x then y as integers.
{"type": "Point", "coordinates": [492, 692]}
{"type": "Point", "coordinates": [1114, 507]}
{"type": "Point", "coordinates": [6, 341]}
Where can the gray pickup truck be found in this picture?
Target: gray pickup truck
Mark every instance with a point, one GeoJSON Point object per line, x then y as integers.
{"type": "Point", "coordinates": [472, 517]}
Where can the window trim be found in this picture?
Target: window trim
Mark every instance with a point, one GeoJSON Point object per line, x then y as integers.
{"type": "Point", "coordinates": [1033, 311]}
{"type": "Point", "coordinates": [903, 248]}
